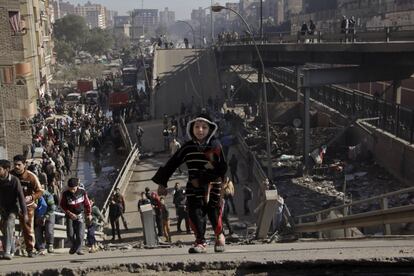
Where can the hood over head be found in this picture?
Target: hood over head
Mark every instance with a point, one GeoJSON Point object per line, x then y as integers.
{"type": "Point", "coordinates": [204, 118]}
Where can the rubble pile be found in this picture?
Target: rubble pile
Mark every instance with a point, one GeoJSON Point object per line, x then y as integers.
{"type": "Point", "coordinates": [325, 187]}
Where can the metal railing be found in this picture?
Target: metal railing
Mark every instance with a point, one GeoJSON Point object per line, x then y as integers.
{"type": "Point", "coordinates": [257, 169]}
{"type": "Point", "coordinates": [59, 230]}
{"type": "Point", "coordinates": [122, 177]}
{"type": "Point", "coordinates": [372, 34]}
{"type": "Point", "coordinates": [391, 117]}
{"type": "Point", "coordinates": [384, 215]}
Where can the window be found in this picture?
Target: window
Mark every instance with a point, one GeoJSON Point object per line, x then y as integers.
{"type": "Point", "coordinates": [17, 25]}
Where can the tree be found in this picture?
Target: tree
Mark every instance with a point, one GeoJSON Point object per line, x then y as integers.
{"type": "Point", "coordinates": [71, 29]}
{"type": "Point", "coordinates": [64, 51]}
{"type": "Point", "coordinates": [121, 41]}
{"type": "Point", "coordinates": [98, 41]}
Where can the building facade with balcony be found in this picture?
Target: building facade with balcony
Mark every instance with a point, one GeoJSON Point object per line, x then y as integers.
{"type": "Point", "coordinates": [25, 62]}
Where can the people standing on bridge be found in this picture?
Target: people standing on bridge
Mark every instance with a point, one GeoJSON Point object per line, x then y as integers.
{"type": "Point", "coordinates": [139, 132]}
{"type": "Point", "coordinates": [179, 201]}
{"type": "Point", "coordinates": [304, 29]}
{"type": "Point", "coordinates": [312, 29]}
{"type": "Point", "coordinates": [32, 191]}
{"type": "Point", "coordinates": [207, 166]}
{"type": "Point", "coordinates": [351, 28]}
{"type": "Point", "coordinates": [45, 224]}
{"type": "Point", "coordinates": [174, 147]}
{"type": "Point", "coordinates": [186, 42]}
{"type": "Point", "coordinates": [233, 164]}
{"type": "Point", "coordinates": [75, 204]}
{"type": "Point", "coordinates": [119, 198]}
{"type": "Point", "coordinates": [94, 224]}
{"type": "Point", "coordinates": [143, 200]}
{"type": "Point", "coordinates": [12, 200]}
{"type": "Point", "coordinates": [228, 193]}
{"type": "Point", "coordinates": [115, 212]}
{"type": "Point", "coordinates": [165, 218]}
{"type": "Point", "coordinates": [156, 205]}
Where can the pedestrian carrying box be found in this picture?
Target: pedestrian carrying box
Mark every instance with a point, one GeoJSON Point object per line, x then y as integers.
{"type": "Point", "coordinates": [148, 225]}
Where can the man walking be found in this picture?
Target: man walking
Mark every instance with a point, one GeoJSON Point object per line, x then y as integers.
{"type": "Point", "coordinates": [139, 132]}
{"type": "Point", "coordinates": [32, 191]}
{"type": "Point", "coordinates": [75, 204]}
{"type": "Point", "coordinates": [11, 199]}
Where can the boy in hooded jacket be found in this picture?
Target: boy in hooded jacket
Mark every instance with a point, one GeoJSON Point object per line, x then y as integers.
{"type": "Point", "coordinates": [207, 166]}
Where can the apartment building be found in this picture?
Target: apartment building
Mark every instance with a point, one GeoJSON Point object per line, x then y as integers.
{"type": "Point", "coordinates": [143, 21]}
{"type": "Point", "coordinates": [94, 14]}
{"type": "Point", "coordinates": [167, 17]}
{"type": "Point", "coordinates": [25, 62]}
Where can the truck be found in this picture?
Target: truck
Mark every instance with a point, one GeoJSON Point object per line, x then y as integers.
{"type": "Point", "coordinates": [120, 98]}
{"type": "Point", "coordinates": [84, 85]}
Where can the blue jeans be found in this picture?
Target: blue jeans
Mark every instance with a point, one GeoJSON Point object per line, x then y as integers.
{"type": "Point", "coordinates": [75, 230]}
{"type": "Point", "coordinates": [43, 232]}
{"type": "Point", "coordinates": [7, 229]}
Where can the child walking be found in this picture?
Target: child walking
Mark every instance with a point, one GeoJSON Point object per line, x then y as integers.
{"type": "Point", "coordinates": [206, 165]}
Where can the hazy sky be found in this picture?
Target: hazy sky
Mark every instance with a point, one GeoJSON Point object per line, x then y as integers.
{"type": "Point", "coordinates": [182, 8]}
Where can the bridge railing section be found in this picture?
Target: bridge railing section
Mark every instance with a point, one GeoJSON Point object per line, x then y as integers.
{"type": "Point", "coordinates": [370, 34]}
{"type": "Point", "coordinates": [122, 178]}
{"type": "Point", "coordinates": [255, 168]}
{"type": "Point", "coordinates": [390, 208]}
{"type": "Point", "coordinates": [390, 117]}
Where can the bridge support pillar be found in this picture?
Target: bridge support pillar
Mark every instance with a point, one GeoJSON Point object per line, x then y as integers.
{"type": "Point", "coordinates": [396, 91]}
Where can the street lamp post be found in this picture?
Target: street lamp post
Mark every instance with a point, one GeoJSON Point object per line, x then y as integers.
{"type": "Point", "coordinates": [218, 8]}
{"type": "Point", "coordinates": [192, 30]}
{"type": "Point", "coordinates": [212, 22]}
{"type": "Point", "coordinates": [261, 20]}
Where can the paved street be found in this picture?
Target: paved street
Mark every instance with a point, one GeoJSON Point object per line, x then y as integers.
{"type": "Point", "coordinates": [300, 255]}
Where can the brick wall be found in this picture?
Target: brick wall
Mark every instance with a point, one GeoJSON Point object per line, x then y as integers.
{"type": "Point", "coordinates": [5, 35]}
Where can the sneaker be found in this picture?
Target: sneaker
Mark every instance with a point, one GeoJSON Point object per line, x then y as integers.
{"type": "Point", "coordinates": [198, 248]}
{"type": "Point", "coordinates": [30, 254]}
{"type": "Point", "coordinates": [220, 243]}
{"type": "Point", "coordinates": [7, 256]}
{"type": "Point", "coordinates": [50, 249]}
{"type": "Point", "coordinates": [42, 252]}
{"type": "Point", "coordinates": [80, 252]}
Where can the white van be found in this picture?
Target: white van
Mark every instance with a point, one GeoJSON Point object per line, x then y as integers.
{"type": "Point", "coordinates": [72, 98]}
{"type": "Point", "coordinates": [92, 97]}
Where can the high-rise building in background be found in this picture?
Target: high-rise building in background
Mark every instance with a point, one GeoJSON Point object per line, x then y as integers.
{"type": "Point", "coordinates": [122, 24]}
{"type": "Point", "coordinates": [94, 14]}
{"type": "Point", "coordinates": [25, 69]}
{"type": "Point", "coordinates": [143, 21]}
{"type": "Point", "coordinates": [199, 15]}
{"type": "Point", "coordinates": [61, 9]}
{"type": "Point", "coordinates": [109, 16]}
{"type": "Point", "coordinates": [229, 14]}
{"type": "Point", "coordinates": [167, 17]}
